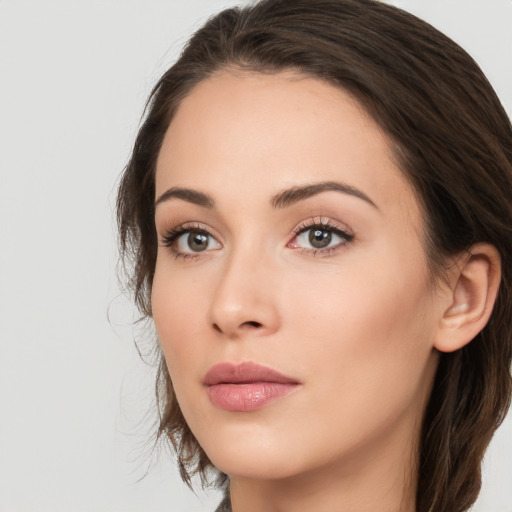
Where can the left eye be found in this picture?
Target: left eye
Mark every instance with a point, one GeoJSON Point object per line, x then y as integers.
{"type": "Point", "coordinates": [319, 237]}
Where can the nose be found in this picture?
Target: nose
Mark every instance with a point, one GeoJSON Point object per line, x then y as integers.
{"type": "Point", "coordinates": [244, 301]}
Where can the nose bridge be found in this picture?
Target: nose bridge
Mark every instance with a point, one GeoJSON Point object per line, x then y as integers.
{"type": "Point", "coordinates": [244, 298]}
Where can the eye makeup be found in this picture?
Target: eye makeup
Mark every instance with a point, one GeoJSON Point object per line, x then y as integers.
{"type": "Point", "coordinates": [317, 236]}
{"type": "Point", "coordinates": [324, 238]}
{"type": "Point", "coordinates": [189, 240]}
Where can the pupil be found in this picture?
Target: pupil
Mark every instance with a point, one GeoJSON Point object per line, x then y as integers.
{"type": "Point", "coordinates": [319, 238]}
{"type": "Point", "coordinates": [197, 241]}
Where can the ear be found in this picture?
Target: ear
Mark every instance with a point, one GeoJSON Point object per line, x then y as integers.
{"type": "Point", "coordinates": [474, 283]}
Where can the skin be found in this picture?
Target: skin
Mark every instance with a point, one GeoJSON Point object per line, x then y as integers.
{"type": "Point", "coordinates": [355, 324]}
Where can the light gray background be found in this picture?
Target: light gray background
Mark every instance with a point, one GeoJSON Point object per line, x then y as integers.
{"type": "Point", "coordinates": [74, 76]}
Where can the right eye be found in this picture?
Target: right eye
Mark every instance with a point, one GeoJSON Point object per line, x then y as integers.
{"type": "Point", "coordinates": [196, 241]}
{"type": "Point", "coordinates": [186, 242]}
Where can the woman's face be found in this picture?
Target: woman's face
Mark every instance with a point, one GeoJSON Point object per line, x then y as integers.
{"type": "Point", "coordinates": [288, 238]}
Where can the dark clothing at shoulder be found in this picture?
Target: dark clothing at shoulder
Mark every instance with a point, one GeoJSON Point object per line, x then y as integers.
{"type": "Point", "coordinates": [224, 505]}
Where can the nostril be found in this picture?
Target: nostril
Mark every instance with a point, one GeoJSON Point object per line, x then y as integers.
{"type": "Point", "coordinates": [245, 325]}
{"type": "Point", "coordinates": [251, 324]}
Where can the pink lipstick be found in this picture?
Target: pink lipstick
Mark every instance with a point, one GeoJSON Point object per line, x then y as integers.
{"type": "Point", "coordinates": [246, 386]}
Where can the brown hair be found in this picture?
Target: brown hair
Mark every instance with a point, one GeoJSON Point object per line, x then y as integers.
{"type": "Point", "coordinates": [452, 139]}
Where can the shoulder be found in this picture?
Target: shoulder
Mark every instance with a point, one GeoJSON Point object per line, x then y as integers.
{"type": "Point", "coordinates": [224, 505]}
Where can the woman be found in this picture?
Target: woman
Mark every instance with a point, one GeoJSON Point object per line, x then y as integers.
{"type": "Point", "coordinates": [317, 207]}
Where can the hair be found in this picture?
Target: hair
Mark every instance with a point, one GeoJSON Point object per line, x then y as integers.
{"type": "Point", "coordinates": [452, 140]}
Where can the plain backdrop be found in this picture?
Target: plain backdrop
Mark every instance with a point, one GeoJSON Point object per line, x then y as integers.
{"type": "Point", "coordinates": [74, 395]}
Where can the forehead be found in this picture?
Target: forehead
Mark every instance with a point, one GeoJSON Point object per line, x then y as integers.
{"type": "Point", "coordinates": [251, 133]}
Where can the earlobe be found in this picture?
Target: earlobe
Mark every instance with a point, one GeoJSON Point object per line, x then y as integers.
{"type": "Point", "coordinates": [473, 290]}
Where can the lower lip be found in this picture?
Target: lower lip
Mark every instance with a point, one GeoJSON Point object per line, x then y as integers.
{"type": "Point", "coordinates": [249, 396]}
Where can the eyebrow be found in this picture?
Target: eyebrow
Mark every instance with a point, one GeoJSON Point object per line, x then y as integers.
{"type": "Point", "coordinates": [283, 199]}
{"type": "Point", "coordinates": [186, 194]}
{"type": "Point", "coordinates": [292, 195]}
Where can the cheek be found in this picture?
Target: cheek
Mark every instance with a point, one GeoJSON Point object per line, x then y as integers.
{"type": "Point", "coordinates": [178, 305]}
{"type": "Point", "coordinates": [363, 342]}
{"type": "Point", "coordinates": [364, 327]}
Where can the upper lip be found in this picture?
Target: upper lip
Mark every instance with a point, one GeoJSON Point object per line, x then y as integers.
{"type": "Point", "coordinates": [246, 372]}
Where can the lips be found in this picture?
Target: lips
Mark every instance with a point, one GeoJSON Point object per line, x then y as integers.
{"type": "Point", "coordinates": [247, 386]}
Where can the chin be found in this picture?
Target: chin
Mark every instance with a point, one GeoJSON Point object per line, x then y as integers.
{"type": "Point", "coordinates": [264, 468]}
{"type": "Point", "coordinates": [252, 454]}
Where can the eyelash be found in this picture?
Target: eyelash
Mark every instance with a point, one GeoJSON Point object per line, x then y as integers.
{"type": "Point", "coordinates": [170, 238]}
{"type": "Point", "coordinates": [322, 225]}
{"type": "Point", "coordinates": [173, 234]}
